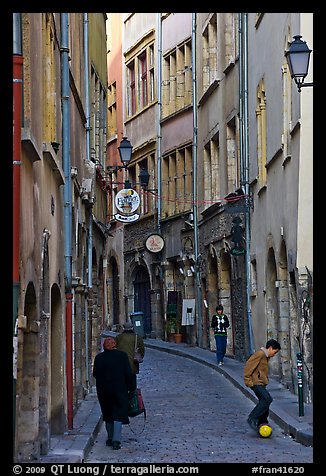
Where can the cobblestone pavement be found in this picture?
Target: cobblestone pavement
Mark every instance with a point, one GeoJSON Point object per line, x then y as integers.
{"type": "Point", "coordinates": [194, 415]}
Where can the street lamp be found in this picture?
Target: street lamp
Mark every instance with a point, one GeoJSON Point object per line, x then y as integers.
{"type": "Point", "coordinates": [144, 179]}
{"type": "Point", "coordinates": [125, 150]}
{"type": "Point", "coordinates": [298, 60]}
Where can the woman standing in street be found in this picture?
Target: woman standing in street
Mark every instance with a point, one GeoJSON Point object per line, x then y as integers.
{"type": "Point", "coordinates": [114, 380]}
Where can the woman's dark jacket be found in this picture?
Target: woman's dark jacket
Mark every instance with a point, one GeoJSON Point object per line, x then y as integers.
{"type": "Point", "coordinates": [113, 381]}
{"type": "Point", "coordinates": [220, 323]}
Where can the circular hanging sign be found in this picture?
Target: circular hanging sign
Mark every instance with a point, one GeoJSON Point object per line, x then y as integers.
{"type": "Point", "coordinates": [127, 201]}
{"type": "Point", "coordinates": [154, 243]}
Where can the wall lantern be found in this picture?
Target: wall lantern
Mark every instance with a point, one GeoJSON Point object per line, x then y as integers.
{"type": "Point", "coordinates": [144, 179]}
{"type": "Point", "coordinates": [125, 151]}
{"type": "Point", "coordinates": [298, 60]}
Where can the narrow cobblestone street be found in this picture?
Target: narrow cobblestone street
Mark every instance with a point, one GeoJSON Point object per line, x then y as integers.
{"type": "Point", "coordinates": [194, 415]}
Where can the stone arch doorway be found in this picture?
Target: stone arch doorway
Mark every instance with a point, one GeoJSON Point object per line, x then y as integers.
{"type": "Point", "coordinates": [57, 418]}
{"type": "Point", "coordinates": [29, 388]}
{"type": "Point", "coordinates": [284, 318]}
{"type": "Point", "coordinates": [142, 301]}
{"type": "Point", "coordinates": [44, 429]}
{"type": "Point", "coordinates": [225, 296]}
{"type": "Point", "coordinates": [271, 309]}
{"type": "Point", "coordinates": [113, 291]}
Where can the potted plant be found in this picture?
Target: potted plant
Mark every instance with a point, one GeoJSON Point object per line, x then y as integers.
{"type": "Point", "coordinates": [170, 327]}
{"type": "Point", "coordinates": [173, 328]}
{"type": "Point", "coordinates": [177, 334]}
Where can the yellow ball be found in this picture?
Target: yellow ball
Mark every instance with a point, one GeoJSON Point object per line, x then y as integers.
{"type": "Point", "coordinates": [265, 431]}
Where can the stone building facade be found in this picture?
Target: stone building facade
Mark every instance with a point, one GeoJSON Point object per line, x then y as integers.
{"type": "Point", "coordinates": [219, 162]}
{"type": "Point", "coordinates": [59, 309]}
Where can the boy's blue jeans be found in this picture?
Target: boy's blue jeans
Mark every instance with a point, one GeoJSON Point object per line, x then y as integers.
{"type": "Point", "coordinates": [261, 411]}
{"type": "Point", "coordinates": [220, 347]}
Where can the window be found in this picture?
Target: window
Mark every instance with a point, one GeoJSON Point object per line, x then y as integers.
{"type": "Point", "coordinates": [142, 85]}
{"type": "Point", "coordinates": [232, 159]}
{"type": "Point", "coordinates": [97, 119]}
{"type": "Point", "coordinates": [112, 110]}
{"type": "Point", "coordinates": [177, 79]}
{"type": "Point", "coordinates": [287, 117]}
{"type": "Point", "coordinates": [140, 80]}
{"type": "Point", "coordinates": [231, 38]}
{"type": "Point", "coordinates": [209, 50]}
{"type": "Point", "coordinates": [131, 89]}
{"type": "Point", "coordinates": [151, 74]}
{"type": "Point", "coordinates": [177, 194]}
{"type": "Point", "coordinates": [261, 134]}
{"type": "Point", "coordinates": [212, 171]}
{"type": "Point", "coordinates": [253, 274]}
{"type": "Point", "coordinates": [49, 92]}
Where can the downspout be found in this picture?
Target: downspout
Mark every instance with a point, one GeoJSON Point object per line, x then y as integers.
{"type": "Point", "coordinates": [159, 115]}
{"type": "Point", "coordinates": [159, 148]}
{"type": "Point", "coordinates": [244, 156]}
{"type": "Point", "coordinates": [194, 183]}
{"type": "Point", "coordinates": [64, 50]}
{"type": "Point", "coordinates": [87, 114]}
{"type": "Point", "coordinates": [17, 125]}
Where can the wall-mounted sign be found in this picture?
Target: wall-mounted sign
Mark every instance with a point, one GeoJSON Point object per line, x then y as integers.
{"type": "Point", "coordinates": [154, 243]}
{"type": "Point", "coordinates": [127, 201]}
{"type": "Point", "coordinates": [188, 312]}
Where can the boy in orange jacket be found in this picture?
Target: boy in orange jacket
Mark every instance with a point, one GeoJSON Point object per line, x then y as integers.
{"type": "Point", "coordinates": [256, 377]}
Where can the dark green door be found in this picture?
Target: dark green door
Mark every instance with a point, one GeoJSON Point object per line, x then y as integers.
{"type": "Point", "coordinates": [142, 297]}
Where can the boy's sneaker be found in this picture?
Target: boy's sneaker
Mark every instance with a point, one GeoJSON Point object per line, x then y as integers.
{"type": "Point", "coordinates": [253, 424]}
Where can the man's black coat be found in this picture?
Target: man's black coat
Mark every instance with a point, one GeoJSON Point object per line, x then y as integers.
{"type": "Point", "coordinates": [113, 381]}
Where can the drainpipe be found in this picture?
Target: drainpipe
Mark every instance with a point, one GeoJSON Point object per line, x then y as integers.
{"type": "Point", "coordinates": [64, 50]}
{"type": "Point", "coordinates": [244, 155]}
{"type": "Point", "coordinates": [159, 115]}
{"type": "Point", "coordinates": [194, 184]}
{"type": "Point", "coordinates": [17, 124]}
{"type": "Point", "coordinates": [87, 113]}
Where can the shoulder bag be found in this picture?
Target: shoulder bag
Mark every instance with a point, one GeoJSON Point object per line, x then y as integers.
{"type": "Point", "coordinates": [136, 403]}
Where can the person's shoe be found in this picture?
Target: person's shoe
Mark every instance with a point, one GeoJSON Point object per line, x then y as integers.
{"type": "Point", "coordinates": [108, 442]}
{"type": "Point", "coordinates": [116, 445]}
{"type": "Point", "coordinates": [220, 363]}
{"type": "Point", "coordinates": [253, 424]}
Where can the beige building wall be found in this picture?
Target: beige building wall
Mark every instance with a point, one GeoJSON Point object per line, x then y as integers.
{"type": "Point", "coordinates": [280, 143]}
{"type": "Point", "coordinates": [305, 205]}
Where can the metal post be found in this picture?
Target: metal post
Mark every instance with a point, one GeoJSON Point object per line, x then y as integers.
{"type": "Point", "coordinates": [199, 318]}
{"type": "Point", "coordinates": [300, 383]}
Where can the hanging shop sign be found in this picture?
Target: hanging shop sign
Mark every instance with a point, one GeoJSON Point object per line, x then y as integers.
{"type": "Point", "coordinates": [127, 202]}
{"type": "Point", "coordinates": [154, 243]}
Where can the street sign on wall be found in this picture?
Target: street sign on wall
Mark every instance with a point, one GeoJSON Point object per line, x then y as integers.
{"type": "Point", "coordinates": [127, 202]}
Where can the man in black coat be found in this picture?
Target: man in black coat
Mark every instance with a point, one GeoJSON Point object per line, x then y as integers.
{"type": "Point", "coordinates": [113, 381]}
